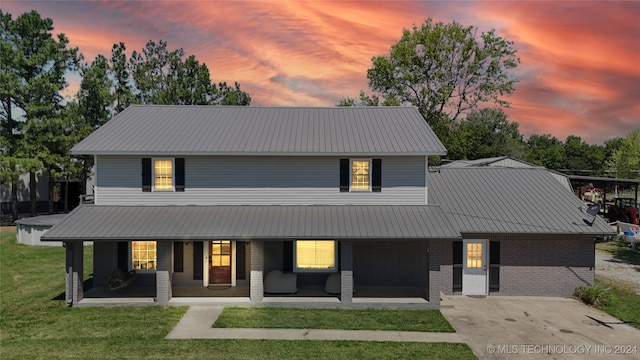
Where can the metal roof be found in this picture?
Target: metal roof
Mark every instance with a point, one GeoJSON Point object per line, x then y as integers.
{"type": "Point", "coordinates": [95, 222]}
{"type": "Point", "coordinates": [509, 200]}
{"type": "Point", "coordinates": [244, 130]}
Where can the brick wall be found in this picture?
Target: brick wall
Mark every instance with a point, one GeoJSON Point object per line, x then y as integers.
{"type": "Point", "coordinates": [538, 265]}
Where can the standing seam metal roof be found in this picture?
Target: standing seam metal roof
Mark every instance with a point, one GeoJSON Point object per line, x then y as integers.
{"type": "Point", "coordinates": [243, 130]}
{"type": "Point", "coordinates": [509, 200]}
{"type": "Point", "coordinates": [234, 222]}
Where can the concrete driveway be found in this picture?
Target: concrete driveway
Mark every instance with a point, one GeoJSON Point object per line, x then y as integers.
{"type": "Point", "coordinates": [505, 327]}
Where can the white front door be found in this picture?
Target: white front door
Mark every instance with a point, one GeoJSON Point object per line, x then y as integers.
{"type": "Point", "coordinates": [474, 267]}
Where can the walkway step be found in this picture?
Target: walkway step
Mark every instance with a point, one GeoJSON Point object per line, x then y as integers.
{"type": "Point", "coordinates": [197, 321]}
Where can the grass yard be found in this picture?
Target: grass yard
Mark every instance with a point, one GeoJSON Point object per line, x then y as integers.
{"type": "Point", "coordinates": [619, 251]}
{"type": "Point", "coordinates": [623, 302]}
{"type": "Point", "coordinates": [365, 319]}
{"type": "Point", "coordinates": [36, 324]}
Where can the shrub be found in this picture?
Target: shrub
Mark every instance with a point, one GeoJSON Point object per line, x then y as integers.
{"type": "Point", "coordinates": [593, 295]}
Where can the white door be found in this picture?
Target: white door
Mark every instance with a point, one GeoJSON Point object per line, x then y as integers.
{"type": "Point", "coordinates": [474, 267]}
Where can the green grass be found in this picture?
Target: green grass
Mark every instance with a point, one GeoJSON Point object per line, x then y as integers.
{"type": "Point", "coordinates": [623, 302]}
{"type": "Point", "coordinates": [347, 319]}
{"type": "Point", "coordinates": [620, 251]}
{"type": "Point", "coordinates": [35, 323]}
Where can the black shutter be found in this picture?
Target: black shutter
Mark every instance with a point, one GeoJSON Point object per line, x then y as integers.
{"type": "Point", "coordinates": [344, 175]}
{"type": "Point", "coordinates": [287, 256]}
{"type": "Point", "coordinates": [178, 256]}
{"type": "Point", "coordinates": [197, 260]}
{"type": "Point", "coordinates": [179, 174]}
{"type": "Point", "coordinates": [123, 256]}
{"type": "Point", "coordinates": [376, 175]}
{"type": "Point", "coordinates": [494, 266]}
{"type": "Point", "coordinates": [241, 260]}
{"type": "Point", "coordinates": [146, 174]}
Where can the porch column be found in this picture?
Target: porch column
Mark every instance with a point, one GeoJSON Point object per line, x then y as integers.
{"type": "Point", "coordinates": [346, 271]}
{"type": "Point", "coordinates": [256, 287]}
{"type": "Point", "coordinates": [433, 283]}
{"type": "Point", "coordinates": [163, 271]}
{"type": "Point", "coordinates": [74, 272]}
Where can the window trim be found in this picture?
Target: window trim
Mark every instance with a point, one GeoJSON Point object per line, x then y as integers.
{"type": "Point", "coordinates": [173, 175]}
{"type": "Point", "coordinates": [351, 160]}
{"type": "Point", "coordinates": [315, 270]}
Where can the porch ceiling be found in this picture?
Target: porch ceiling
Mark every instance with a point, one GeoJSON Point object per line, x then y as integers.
{"type": "Point", "coordinates": [108, 223]}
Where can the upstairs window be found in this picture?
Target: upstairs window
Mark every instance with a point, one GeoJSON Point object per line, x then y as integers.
{"type": "Point", "coordinates": [361, 175]}
{"type": "Point", "coordinates": [162, 174]}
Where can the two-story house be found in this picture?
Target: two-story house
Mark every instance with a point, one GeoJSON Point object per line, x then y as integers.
{"type": "Point", "coordinates": [314, 205]}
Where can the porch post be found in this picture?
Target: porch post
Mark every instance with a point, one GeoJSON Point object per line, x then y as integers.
{"type": "Point", "coordinates": [433, 291]}
{"type": "Point", "coordinates": [346, 271]}
{"type": "Point", "coordinates": [256, 292]}
{"type": "Point", "coordinates": [74, 272]}
{"type": "Point", "coordinates": [163, 271]}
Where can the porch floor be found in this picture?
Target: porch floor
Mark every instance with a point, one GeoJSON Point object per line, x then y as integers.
{"type": "Point", "coordinates": [361, 293]}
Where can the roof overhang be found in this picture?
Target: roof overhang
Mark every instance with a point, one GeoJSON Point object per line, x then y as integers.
{"type": "Point", "coordinates": [253, 222]}
{"type": "Point", "coordinates": [314, 154]}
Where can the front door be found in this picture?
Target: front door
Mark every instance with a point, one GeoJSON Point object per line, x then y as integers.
{"type": "Point", "coordinates": [220, 262]}
{"type": "Point", "coordinates": [474, 267]}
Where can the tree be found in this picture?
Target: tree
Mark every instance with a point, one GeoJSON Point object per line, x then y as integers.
{"type": "Point", "coordinates": [625, 160]}
{"type": "Point", "coordinates": [546, 150]}
{"type": "Point", "coordinates": [488, 133]}
{"type": "Point", "coordinates": [34, 65]}
{"type": "Point", "coordinates": [161, 76]}
{"type": "Point", "coordinates": [445, 69]}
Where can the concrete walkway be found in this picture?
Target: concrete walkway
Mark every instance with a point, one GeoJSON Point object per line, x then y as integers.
{"type": "Point", "coordinates": [197, 321]}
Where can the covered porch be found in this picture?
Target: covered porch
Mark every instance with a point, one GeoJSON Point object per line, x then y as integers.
{"type": "Point", "coordinates": [384, 254]}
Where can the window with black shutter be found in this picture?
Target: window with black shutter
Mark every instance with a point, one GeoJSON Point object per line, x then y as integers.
{"type": "Point", "coordinates": [360, 175]}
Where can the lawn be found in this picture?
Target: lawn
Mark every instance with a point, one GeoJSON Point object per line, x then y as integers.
{"type": "Point", "coordinates": [35, 323]}
{"type": "Point", "coordinates": [361, 319]}
{"type": "Point", "coordinates": [620, 251]}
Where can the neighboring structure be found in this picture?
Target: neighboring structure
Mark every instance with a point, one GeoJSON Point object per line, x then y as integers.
{"type": "Point", "coordinates": [23, 192]}
{"type": "Point", "coordinates": [208, 201]}
{"type": "Point", "coordinates": [508, 162]}
{"type": "Point", "coordinates": [30, 230]}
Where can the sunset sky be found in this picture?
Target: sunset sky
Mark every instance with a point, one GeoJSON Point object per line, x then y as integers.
{"type": "Point", "coordinates": [580, 60]}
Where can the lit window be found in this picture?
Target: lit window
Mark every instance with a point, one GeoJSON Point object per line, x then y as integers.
{"type": "Point", "coordinates": [360, 174]}
{"type": "Point", "coordinates": [163, 174]}
{"type": "Point", "coordinates": [474, 255]}
{"type": "Point", "coordinates": [315, 255]}
{"type": "Point", "coordinates": [143, 255]}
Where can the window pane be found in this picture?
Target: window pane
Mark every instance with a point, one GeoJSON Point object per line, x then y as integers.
{"type": "Point", "coordinates": [315, 254]}
{"type": "Point", "coordinates": [360, 175]}
{"type": "Point", "coordinates": [474, 255]}
{"type": "Point", "coordinates": [143, 255]}
{"type": "Point", "coordinates": [163, 174]}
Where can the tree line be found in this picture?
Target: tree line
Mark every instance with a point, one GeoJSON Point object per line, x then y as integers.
{"type": "Point", "coordinates": [39, 126]}
{"type": "Point", "coordinates": [458, 79]}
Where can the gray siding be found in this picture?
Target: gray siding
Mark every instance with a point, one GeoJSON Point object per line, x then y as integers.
{"type": "Point", "coordinates": [260, 181]}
